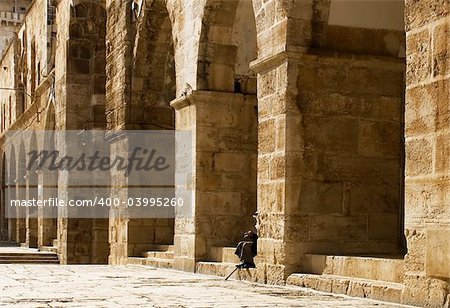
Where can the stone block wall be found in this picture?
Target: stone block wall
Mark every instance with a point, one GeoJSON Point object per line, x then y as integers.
{"type": "Point", "coordinates": [326, 135]}
{"type": "Point", "coordinates": [80, 93]}
{"type": "Point", "coordinates": [278, 150]}
{"type": "Point", "coordinates": [224, 179]}
{"type": "Point", "coordinates": [8, 81]}
{"type": "Point", "coordinates": [118, 64]}
{"type": "Point", "coordinates": [141, 84]}
{"type": "Point", "coordinates": [330, 136]}
{"type": "Point", "coordinates": [350, 194]}
{"type": "Point", "coordinates": [226, 157]}
{"type": "Point", "coordinates": [426, 131]}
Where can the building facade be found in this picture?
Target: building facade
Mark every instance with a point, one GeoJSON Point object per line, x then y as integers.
{"type": "Point", "coordinates": [328, 118]}
{"type": "Point", "coordinates": [11, 16]}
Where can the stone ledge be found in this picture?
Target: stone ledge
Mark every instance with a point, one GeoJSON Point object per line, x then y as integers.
{"type": "Point", "coordinates": [154, 262]}
{"type": "Point", "coordinates": [168, 255]}
{"type": "Point", "coordinates": [262, 65]}
{"type": "Point", "coordinates": [390, 268]}
{"type": "Point", "coordinates": [206, 96]}
{"type": "Point", "coordinates": [48, 249]}
{"type": "Point", "coordinates": [355, 287]}
{"type": "Point", "coordinates": [223, 254]}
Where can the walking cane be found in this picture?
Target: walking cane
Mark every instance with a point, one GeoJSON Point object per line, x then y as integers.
{"type": "Point", "coordinates": [232, 273]}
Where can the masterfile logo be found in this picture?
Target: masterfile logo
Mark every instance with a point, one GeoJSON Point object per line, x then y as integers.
{"type": "Point", "coordinates": [149, 175]}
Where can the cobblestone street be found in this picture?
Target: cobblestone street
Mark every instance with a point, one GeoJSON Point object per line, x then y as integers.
{"type": "Point", "coordinates": [132, 286]}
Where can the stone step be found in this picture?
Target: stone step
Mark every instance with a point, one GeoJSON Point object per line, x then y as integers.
{"type": "Point", "coordinates": [159, 254]}
{"type": "Point", "coordinates": [159, 263]}
{"type": "Point", "coordinates": [135, 261]}
{"type": "Point", "coordinates": [224, 269]}
{"type": "Point", "coordinates": [223, 254]}
{"type": "Point", "coordinates": [356, 287]}
{"type": "Point", "coordinates": [28, 256]}
{"type": "Point", "coordinates": [155, 262]}
{"type": "Point", "coordinates": [373, 268]}
{"type": "Point", "coordinates": [22, 261]}
{"type": "Point", "coordinates": [48, 249]}
{"type": "Point", "coordinates": [27, 259]}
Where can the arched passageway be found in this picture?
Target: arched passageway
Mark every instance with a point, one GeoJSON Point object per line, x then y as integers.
{"type": "Point", "coordinates": [225, 135]}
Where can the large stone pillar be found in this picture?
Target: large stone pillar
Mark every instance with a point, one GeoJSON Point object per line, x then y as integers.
{"type": "Point", "coordinates": [285, 31]}
{"type": "Point", "coordinates": [223, 182]}
{"type": "Point", "coordinates": [80, 89]}
{"type": "Point", "coordinates": [47, 216]}
{"type": "Point", "coordinates": [427, 214]}
{"type": "Point", "coordinates": [118, 222]}
{"type": "Point", "coordinates": [3, 219]}
{"type": "Point", "coordinates": [21, 225]}
{"type": "Point", "coordinates": [10, 194]}
{"type": "Point", "coordinates": [279, 165]}
{"type": "Point", "coordinates": [32, 212]}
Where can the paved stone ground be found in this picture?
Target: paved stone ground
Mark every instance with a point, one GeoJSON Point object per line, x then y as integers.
{"type": "Point", "coordinates": [139, 286]}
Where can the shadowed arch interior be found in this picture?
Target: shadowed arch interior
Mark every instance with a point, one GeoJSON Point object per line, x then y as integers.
{"type": "Point", "coordinates": [153, 88]}
{"type": "Point", "coordinates": [153, 74]}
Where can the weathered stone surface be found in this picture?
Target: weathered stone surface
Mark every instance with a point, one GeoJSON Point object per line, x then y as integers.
{"type": "Point", "coordinates": [423, 118]}
{"type": "Point", "coordinates": [372, 289]}
{"type": "Point", "coordinates": [391, 270]}
{"type": "Point", "coordinates": [148, 286]}
{"type": "Point", "coordinates": [419, 158]}
{"type": "Point", "coordinates": [437, 253]}
{"type": "Point", "coordinates": [291, 115]}
{"type": "Point", "coordinates": [441, 57]}
{"type": "Point", "coordinates": [420, 13]}
{"type": "Point", "coordinates": [419, 55]}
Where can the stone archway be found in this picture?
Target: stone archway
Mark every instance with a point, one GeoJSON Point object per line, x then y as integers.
{"type": "Point", "coordinates": [228, 44]}
{"type": "Point", "coordinates": [224, 132]}
{"type": "Point", "coordinates": [152, 87]}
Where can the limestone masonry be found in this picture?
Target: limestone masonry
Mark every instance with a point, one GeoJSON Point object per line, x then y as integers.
{"type": "Point", "coordinates": [329, 118]}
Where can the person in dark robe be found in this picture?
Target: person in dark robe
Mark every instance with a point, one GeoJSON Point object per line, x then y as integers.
{"type": "Point", "coordinates": [246, 250]}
